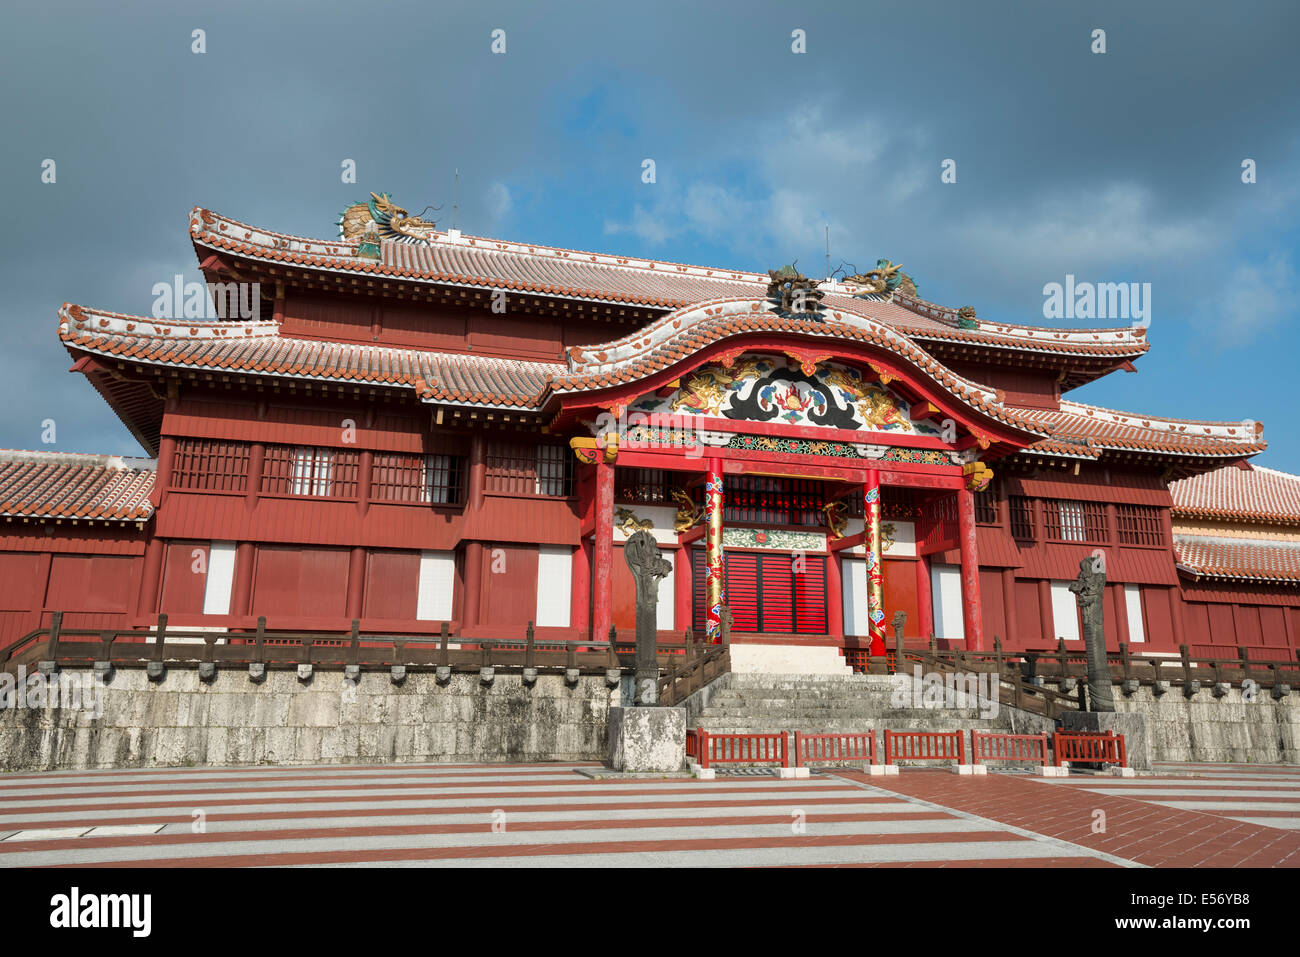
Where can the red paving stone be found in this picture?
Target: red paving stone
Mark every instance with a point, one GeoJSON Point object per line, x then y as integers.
{"type": "Point", "coordinates": [1135, 830]}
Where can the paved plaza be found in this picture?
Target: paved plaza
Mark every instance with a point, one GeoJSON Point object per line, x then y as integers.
{"type": "Point", "coordinates": [551, 815]}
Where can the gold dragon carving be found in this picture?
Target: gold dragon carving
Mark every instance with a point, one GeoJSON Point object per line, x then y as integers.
{"type": "Point", "coordinates": [688, 513]}
{"type": "Point", "coordinates": [630, 524]}
{"type": "Point", "coordinates": [875, 405]}
{"type": "Point", "coordinates": [706, 390]}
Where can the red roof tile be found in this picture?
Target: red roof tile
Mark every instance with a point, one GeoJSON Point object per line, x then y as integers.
{"type": "Point", "coordinates": [1087, 429]}
{"type": "Point", "coordinates": [1250, 495]}
{"type": "Point", "coordinates": [474, 261]}
{"type": "Point", "coordinates": [1076, 430]}
{"type": "Point", "coordinates": [67, 485]}
{"type": "Point", "coordinates": [1250, 559]}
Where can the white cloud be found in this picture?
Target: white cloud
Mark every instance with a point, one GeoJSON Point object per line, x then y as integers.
{"type": "Point", "coordinates": [1257, 296]}
{"type": "Point", "coordinates": [498, 201]}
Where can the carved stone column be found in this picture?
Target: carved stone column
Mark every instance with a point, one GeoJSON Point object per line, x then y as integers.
{"type": "Point", "coordinates": [1088, 590]}
{"type": "Point", "coordinates": [641, 552]}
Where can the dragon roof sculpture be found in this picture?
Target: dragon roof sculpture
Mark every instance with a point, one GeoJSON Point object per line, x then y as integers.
{"type": "Point", "coordinates": [881, 281]}
{"type": "Point", "coordinates": [387, 219]}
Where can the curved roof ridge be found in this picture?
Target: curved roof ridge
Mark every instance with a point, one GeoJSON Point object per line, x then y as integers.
{"type": "Point", "coordinates": [1086, 408]}
{"type": "Point", "coordinates": [675, 284]}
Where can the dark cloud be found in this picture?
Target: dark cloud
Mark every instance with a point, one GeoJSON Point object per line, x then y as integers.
{"type": "Point", "coordinates": [1118, 167]}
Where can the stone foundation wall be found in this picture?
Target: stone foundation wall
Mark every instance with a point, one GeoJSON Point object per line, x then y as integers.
{"type": "Point", "coordinates": [233, 721]}
{"type": "Point", "coordinates": [1206, 728]}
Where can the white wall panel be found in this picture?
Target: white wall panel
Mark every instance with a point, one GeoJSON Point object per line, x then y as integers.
{"type": "Point", "coordinates": [945, 590]}
{"type": "Point", "coordinates": [554, 586]}
{"type": "Point", "coordinates": [437, 583]}
{"type": "Point", "coordinates": [1065, 612]}
{"type": "Point", "coordinates": [221, 577]}
{"type": "Point", "coordinates": [1133, 604]}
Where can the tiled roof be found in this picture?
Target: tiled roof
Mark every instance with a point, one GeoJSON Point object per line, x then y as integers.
{"type": "Point", "coordinates": [1249, 559]}
{"type": "Point", "coordinates": [257, 348]}
{"type": "Point", "coordinates": [679, 334]}
{"type": "Point", "coordinates": [473, 261]}
{"type": "Point", "coordinates": [1086, 430]}
{"type": "Point", "coordinates": [65, 485]}
{"type": "Point", "coordinates": [1251, 495]}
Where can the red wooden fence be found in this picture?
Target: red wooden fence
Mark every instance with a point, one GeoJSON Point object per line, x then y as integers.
{"type": "Point", "coordinates": [1098, 746]}
{"type": "Point", "coordinates": [989, 746]}
{"type": "Point", "coordinates": [925, 746]}
{"type": "Point", "coordinates": [823, 748]}
{"type": "Point", "coordinates": [742, 748]}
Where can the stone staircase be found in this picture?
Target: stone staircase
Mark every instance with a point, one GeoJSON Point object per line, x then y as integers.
{"type": "Point", "coordinates": [817, 704]}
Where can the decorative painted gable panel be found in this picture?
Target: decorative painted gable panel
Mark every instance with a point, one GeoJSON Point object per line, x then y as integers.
{"type": "Point", "coordinates": [766, 388]}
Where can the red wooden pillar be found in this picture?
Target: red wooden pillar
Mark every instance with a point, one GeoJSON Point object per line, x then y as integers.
{"type": "Point", "coordinates": [473, 584]}
{"type": "Point", "coordinates": [1120, 604]}
{"type": "Point", "coordinates": [477, 471]}
{"type": "Point", "coordinates": [256, 456]}
{"type": "Point", "coordinates": [1045, 620]}
{"type": "Point", "coordinates": [834, 596]}
{"type": "Point", "coordinates": [163, 470]}
{"type": "Point", "coordinates": [875, 562]}
{"type": "Point", "coordinates": [603, 565]}
{"type": "Point", "coordinates": [1176, 615]}
{"type": "Point", "coordinates": [683, 588]}
{"type": "Point", "coordinates": [1011, 622]}
{"type": "Point", "coordinates": [365, 470]}
{"type": "Point", "coordinates": [715, 582]}
{"type": "Point", "coordinates": [356, 582]}
{"type": "Point", "coordinates": [150, 579]}
{"type": "Point", "coordinates": [580, 600]}
{"type": "Point", "coordinates": [972, 613]}
{"type": "Point", "coordinates": [924, 600]}
{"type": "Point", "coordinates": [241, 594]}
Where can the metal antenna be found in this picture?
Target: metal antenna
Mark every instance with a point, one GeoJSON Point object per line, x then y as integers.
{"type": "Point", "coordinates": [828, 251]}
{"type": "Point", "coordinates": [455, 208]}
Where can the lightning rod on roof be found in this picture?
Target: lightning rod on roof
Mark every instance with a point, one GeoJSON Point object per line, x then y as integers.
{"type": "Point", "coordinates": [455, 209]}
{"type": "Point", "coordinates": [828, 252]}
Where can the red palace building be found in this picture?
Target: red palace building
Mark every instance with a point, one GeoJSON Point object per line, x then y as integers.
{"type": "Point", "coordinates": [411, 426]}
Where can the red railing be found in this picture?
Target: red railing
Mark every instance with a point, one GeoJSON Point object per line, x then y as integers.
{"type": "Point", "coordinates": [925, 746]}
{"type": "Point", "coordinates": [742, 748]}
{"type": "Point", "coordinates": [692, 743]}
{"type": "Point", "coordinates": [825, 748]}
{"type": "Point", "coordinates": [989, 746]}
{"type": "Point", "coordinates": [1104, 747]}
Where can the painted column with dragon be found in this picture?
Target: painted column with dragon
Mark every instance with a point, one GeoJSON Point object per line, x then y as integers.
{"type": "Point", "coordinates": [875, 565]}
{"type": "Point", "coordinates": [715, 594]}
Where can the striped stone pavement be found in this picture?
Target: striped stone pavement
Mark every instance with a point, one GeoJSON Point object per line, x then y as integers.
{"type": "Point", "coordinates": [1265, 794]}
{"type": "Point", "coordinates": [1125, 817]}
{"type": "Point", "coordinates": [498, 815]}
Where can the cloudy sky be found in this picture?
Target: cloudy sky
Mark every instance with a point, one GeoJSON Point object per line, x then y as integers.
{"type": "Point", "coordinates": [1122, 166]}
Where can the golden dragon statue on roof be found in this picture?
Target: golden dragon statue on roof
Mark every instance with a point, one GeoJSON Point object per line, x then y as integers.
{"type": "Point", "coordinates": [385, 217]}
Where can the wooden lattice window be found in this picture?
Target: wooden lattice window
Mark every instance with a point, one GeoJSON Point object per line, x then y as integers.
{"type": "Point", "coordinates": [310, 471]}
{"type": "Point", "coordinates": [1021, 510]}
{"type": "Point", "coordinates": [1139, 525]}
{"type": "Point", "coordinates": [1073, 521]}
{"type": "Point", "coordinates": [986, 507]}
{"type": "Point", "coordinates": [754, 500]}
{"type": "Point", "coordinates": [642, 487]}
{"type": "Point", "coordinates": [520, 468]}
{"type": "Point", "coordinates": [211, 465]}
{"type": "Point", "coordinates": [427, 479]}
